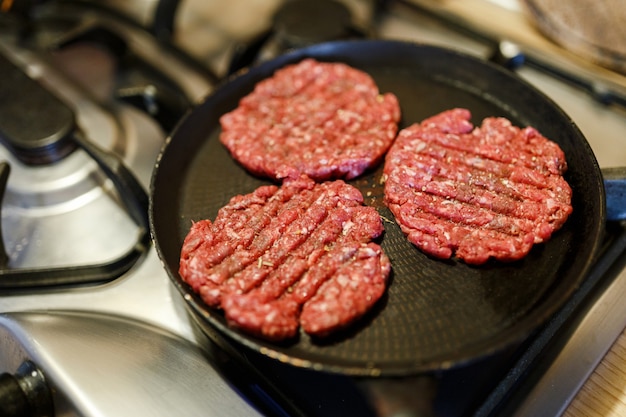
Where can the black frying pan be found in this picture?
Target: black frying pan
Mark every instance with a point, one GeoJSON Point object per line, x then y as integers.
{"type": "Point", "coordinates": [436, 313]}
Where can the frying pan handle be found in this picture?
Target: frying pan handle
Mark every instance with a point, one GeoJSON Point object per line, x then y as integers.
{"type": "Point", "coordinates": [402, 397]}
{"type": "Point", "coordinates": [615, 187]}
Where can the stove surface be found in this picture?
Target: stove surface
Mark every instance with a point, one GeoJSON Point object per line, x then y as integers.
{"type": "Point", "coordinates": [81, 337]}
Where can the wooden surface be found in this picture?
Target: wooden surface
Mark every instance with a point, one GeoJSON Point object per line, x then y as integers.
{"type": "Point", "coordinates": [604, 393]}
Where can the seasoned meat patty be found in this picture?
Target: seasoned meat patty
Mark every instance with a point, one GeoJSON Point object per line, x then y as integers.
{"type": "Point", "coordinates": [325, 120]}
{"type": "Point", "coordinates": [281, 257]}
{"type": "Point", "coordinates": [478, 192]}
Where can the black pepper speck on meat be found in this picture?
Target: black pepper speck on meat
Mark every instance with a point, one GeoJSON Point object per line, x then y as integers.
{"type": "Point", "coordinates": [491, 191]}
{"type": "Point", "coordinates": [283, 258]}
{"type": "Point", "coordinates": [325, 120]}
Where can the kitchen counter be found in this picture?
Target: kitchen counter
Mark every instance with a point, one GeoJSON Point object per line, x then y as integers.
{"type": "Point", "coordinates": [604, 393]}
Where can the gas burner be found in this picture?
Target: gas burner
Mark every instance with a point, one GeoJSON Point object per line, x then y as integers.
{"type": "Point", "coordinates": [304, 22]}
{"type": "Point", "coordinates": [84, 115]}
{"type": "Point", "coordinates": [299, 23]}
{"type": "Point", "coordinates": [41, 132]}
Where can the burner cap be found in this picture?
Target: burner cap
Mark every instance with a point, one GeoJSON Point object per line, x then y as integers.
{"type": "Point", "coordinates": [34, 125]}
{"type": "Point", "coordinates": [303, 22]}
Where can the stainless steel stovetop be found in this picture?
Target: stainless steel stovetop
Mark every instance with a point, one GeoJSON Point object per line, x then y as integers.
{"type": "Point", "coordinates": [127, 346]}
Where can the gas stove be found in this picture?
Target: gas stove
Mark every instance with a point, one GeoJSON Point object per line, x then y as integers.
{"type": "Point", "coordinates": [90, 323]}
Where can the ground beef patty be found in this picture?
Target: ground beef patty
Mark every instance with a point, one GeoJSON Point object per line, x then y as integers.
{"type": "Point", "coordinates": [325, 120]}
{"type": "Point", "coordinates": [479, 192]}
{"type": "Point", "coordinates": [283, 257]}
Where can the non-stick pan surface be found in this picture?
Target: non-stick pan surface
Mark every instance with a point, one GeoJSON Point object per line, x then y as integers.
{"type": "Point", "coordinates": [436, 313]}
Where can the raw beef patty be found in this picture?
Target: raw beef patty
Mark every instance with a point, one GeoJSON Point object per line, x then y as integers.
{"type": "Point", "coordinates": [325, 120]}
{"type": "Point", "coordinates": [283, 257]}
{"type": "Point", "coordinates": [480, 192]}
